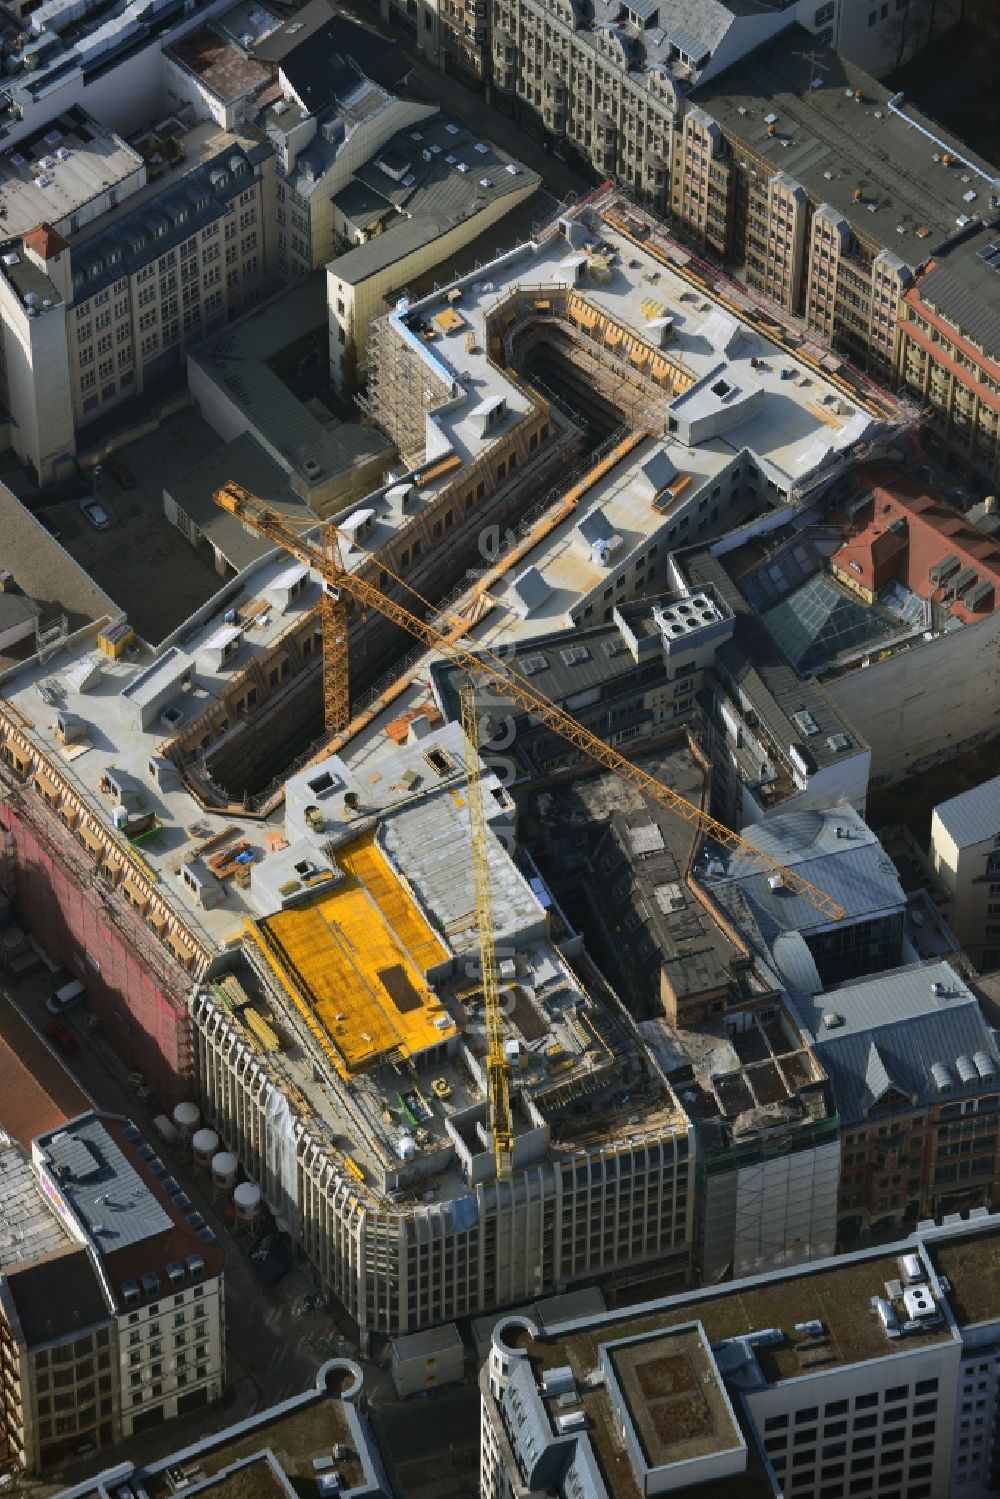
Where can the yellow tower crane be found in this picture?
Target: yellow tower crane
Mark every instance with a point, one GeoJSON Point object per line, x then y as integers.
{"type": "Point", "coordinates": [338, 583]}
{"type": "Point", "coordinates": [497, 1067]}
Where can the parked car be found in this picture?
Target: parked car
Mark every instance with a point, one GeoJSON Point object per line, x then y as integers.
{"type": "Point", "coordinates": [96, 514]}
{"type": "Point", "coordinates": [122, 475]}
{"type": "Point", "coordinates": [65, 996]}
{"type": "Point", "coordinates": [277, 1264]}
{"type": "Point", "coordinates": [264, 1246]}
{"type": "Point", "coordinates": [63, 1036]}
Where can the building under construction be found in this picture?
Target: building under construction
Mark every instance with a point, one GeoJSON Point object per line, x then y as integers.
{"type": "Point", "coordinates": [313, 976]}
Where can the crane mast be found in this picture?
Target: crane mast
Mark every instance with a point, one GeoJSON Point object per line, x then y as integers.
{"type": "Point", "coordinates": [337, 583]}
{"type": "Point", "coordinates": [497, 1067]}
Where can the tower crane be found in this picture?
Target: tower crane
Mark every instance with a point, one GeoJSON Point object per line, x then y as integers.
{"type": "Point", "coordinates": [338, 583]}
{"type": "Point", "coordinates": [497, 1066]}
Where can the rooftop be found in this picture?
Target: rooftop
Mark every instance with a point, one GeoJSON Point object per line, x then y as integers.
{"type": "Point", "coordinates": [295, 1433]}
{"type": "Point", "coordinates": [899, 534]}
{"type": "Point", "coordinates": [56, 1294]}
{"type": "Point", "coordinates": [671, 1391]}
{"type": "Point", "coordinates": [973, 816]}
{"type": "Point", "coordinates": [217, 64]}
{"type": "Point", "coordinates": [430, 178]}
{"type": "Point", "coordinates": [45, 572]}
{"type": "Point", "coordinates": [834, 143]}
{"type": "Point", "coordinates": [63, 171]}
{"type": "Point", "coordinates": [762, 674]}
{"type": "Point", "coordinates": [834, 850]}
{"type": "Point", "coordinates": [776, 440]}
{"type": "Point", "coordinates": [201, 169]}
{"type": "Point", "coordinates": [39, 1094]}
{"type": "Point", "coordinates": [971, 1265]}
{"type": "Point", "coordinates": [243, 357]}
{"type": "Point", "coordinates": [28, 1225]}
{"type": "Point", "coordinates": [962, 283]}
{"type": "Point", "coordinates": [242, 461]}
{"type": "Point", "coordinates": [319, 53]}
{"type": "Point", "coordinates": [362, 953]}
{"type": "Point", "coordinates": [755, 1329]}
{"type": "Point", "coordinates": [917, 1031]}
{"type": "Point", "coordinates": [121, 1197]}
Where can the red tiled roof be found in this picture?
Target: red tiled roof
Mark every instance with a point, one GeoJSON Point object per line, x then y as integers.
{"type": "Point", "coordinates": [874, 554]}
{"type": "Point", "coordinates": [45, 241]}
{"type": "Point", "coordinates": [36, 1091]}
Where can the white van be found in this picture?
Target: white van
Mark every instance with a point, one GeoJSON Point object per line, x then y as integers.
{"type": "Point", "coordinates": [66, 997]}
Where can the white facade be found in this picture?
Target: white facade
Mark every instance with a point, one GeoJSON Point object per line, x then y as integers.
{"type": "Point", "coordinates": [172, 1353]}
{"type": "Point", "coordinates": [968, 861]}
{"type": "Point", "coordinates": [124, 300]}
{"type": "Point", "coordinates": [41, 406]}
{"type": "Point", "coordinates": [125, 97]}
{"type": "Point", "coordinates": [977, 1410]}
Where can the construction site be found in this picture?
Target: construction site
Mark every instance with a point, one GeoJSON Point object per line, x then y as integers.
{"type": "Point", "coordinates": [338, 944]}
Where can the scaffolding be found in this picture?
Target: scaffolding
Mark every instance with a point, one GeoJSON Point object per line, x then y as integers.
{"type": "Point", "coordinates": [402, 389]}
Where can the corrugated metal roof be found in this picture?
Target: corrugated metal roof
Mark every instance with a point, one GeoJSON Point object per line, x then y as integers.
{"type": "Point", "coordinates": [905, 1046]}
{"type": "Point", "coordinates": [834, 850]}
{"type": "Point", "coordinates": [972, 816]}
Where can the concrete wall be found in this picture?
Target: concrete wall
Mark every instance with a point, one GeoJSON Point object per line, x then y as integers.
{"type": "Point", "coordinates": [925, 702]}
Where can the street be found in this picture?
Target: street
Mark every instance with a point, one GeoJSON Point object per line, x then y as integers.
{"type": "Point", "coordinates": [271, 1353]}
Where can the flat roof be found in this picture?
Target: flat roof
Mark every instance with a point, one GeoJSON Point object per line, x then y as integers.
{"type": "Point", "coordinates": [836, 1294]}
{"type": "Point", "coordinates": [833, 144]}
{"type": "Point", "coordinates": [56, 1294]}
{"type": "Point", "coordinates": [45, 572]}
{"type": "Point", "coordinates": [360, 955]}
{"type": "Point", "coordinates": [311, 1428]}
{"type": "Point", "coordinates": [242, 461]}
{"type": "Point", "coordinates": [241, 359]}
{"type": "Point", "coordinates": [222, 68]}
{"type": "Point", "coordinates": [962, 282]}
{"type": "Point", "coordinates": [133, 1212]}
{"type": "Point", "coordinates": [674, 1396]}
{"type": "Point", "coordinates": [28, 1225]}
{"type": "Point", "coordinates": [442, 175]}
{"type": "Point", "coordinates": [54, 173]}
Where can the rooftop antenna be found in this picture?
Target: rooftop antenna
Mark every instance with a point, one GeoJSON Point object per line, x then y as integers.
{"type": "Point", "coordinates": [817, 67]}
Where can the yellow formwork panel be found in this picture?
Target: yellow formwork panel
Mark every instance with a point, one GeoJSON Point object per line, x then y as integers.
{"type": "Point", "coordinates": [359, 955]}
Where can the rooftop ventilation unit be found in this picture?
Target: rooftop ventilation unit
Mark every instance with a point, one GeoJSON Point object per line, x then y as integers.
{"type": "Point", "coordinates": [805, 723]}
